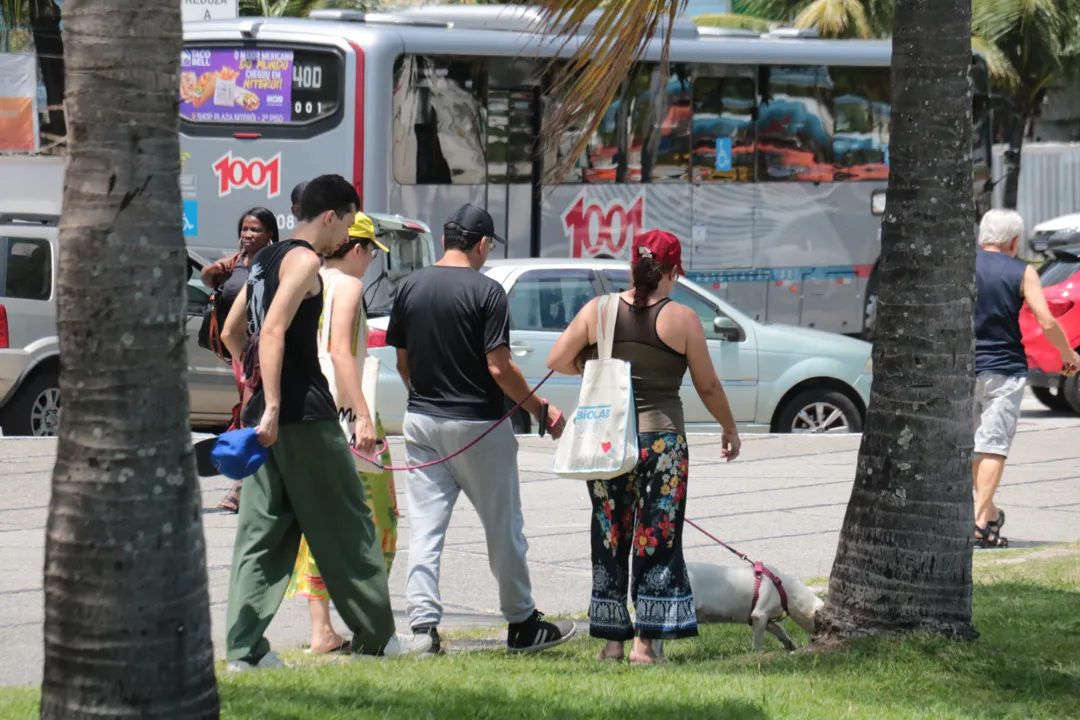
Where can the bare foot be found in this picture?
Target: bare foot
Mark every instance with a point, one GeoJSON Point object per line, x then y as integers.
{"type": "Point", "coordinates": [648, 658]}
{"type": "Point", "coordinates": [612, 651]}
{"type": "Point", "coordinates": [327, 643]}
{"type": "Point", "coordinates": [643, 654]}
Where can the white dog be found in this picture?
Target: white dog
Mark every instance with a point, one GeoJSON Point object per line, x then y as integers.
{"type": "Point", "coordinates": [724, 594]}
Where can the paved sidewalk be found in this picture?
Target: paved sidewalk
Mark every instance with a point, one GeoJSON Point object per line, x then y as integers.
{"type": "Point", "coordinates": [783, 501]}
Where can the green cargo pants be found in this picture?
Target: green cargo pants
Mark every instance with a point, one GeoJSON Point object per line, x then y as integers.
{"type": "Point", "coordinates": [307, 486]}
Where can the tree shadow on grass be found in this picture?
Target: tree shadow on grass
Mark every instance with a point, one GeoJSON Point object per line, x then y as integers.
{"type": "Point", "coordinates": [466, 701]}
{"type": "Point", "coordinates": [1026, 662]}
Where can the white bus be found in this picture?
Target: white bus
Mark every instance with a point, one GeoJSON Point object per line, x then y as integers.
{"type": "Point", "coordinates": [766, 154]}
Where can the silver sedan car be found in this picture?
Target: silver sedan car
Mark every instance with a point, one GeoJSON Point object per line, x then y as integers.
{"type": "Point", "coordinates": [778, 378]}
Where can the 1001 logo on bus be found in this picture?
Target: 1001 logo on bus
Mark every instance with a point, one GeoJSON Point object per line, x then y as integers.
{"type": "Point", "coordinates": [593, 412]}
{"type": "Point", "coordinates": [238, 173]}
{"type": "Point", "coordinates": [593, 228]}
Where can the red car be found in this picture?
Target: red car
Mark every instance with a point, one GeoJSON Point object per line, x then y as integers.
{"type": "Point", "coordinates": [1060, 276]}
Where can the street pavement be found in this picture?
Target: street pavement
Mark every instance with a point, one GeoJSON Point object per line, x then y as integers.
{"type": "Point", "coordinates": [782, 502]}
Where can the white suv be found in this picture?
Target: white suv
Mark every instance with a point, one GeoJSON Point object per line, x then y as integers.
{"type": "Point", "coordinates": [29, 364]}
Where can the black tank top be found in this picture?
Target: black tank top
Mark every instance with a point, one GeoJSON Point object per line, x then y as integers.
{"type": "Point", "coordinates": [655, 369]}
{"type": "Point", "coordinates": [999, 346]}
{"type": "Point", "coordinates": [305, 394]}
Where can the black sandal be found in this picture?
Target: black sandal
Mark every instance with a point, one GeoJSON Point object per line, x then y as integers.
{"type": "Point", "coordinates": [995, 525]}
{"type": "Point", "coordinates": [231, 502]}
{"type": "Point", "coordinates": [989, 539]}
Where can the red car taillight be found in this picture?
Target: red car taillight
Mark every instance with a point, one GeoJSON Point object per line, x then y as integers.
{"type": "Point", "coordinates": [3, 327]}
{"type": "Point", "coordinates": [376, 338]}
{"type": "Point", "coordinates": [1059, 306]}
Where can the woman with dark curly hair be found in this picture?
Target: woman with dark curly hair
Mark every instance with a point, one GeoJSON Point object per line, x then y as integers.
{"type": "Point", "coordinates": [256, 229]}
{"type": "Point", "coordinates": [642, 512]}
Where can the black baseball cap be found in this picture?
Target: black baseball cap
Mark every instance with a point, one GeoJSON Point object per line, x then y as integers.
{"type": "Point", "coordinates": [474, 221]}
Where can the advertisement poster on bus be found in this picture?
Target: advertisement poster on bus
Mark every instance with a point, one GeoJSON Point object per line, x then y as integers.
{"type": "Point", "coordinates": [236, 86]}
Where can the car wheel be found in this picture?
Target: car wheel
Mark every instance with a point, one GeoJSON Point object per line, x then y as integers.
{"type": "Point", "coordinates": [820, 411]}
{"type": "Point", "coordinates": [35, 409]}
{"type": "Point", "coordinates": [1071, 390]}
{"type": "Point", "coordinates": [1052, 398]}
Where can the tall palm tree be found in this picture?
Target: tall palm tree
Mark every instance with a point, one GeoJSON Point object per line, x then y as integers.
{"type": "Point", "coordinates": [904, 558]}
{"type": "Point", "coordinates": [1036, 44]}
{"type": "Point", "coordinates": [904, 561]}
{"type": "Point", "coordinates": [127, 612]}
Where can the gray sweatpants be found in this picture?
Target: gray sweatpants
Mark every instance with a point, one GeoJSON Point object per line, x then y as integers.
{"type": "Point", "coordinates": [488, 474]}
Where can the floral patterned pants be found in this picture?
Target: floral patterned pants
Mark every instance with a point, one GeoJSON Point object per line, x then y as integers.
{"type": "Point", "coordinates": [642, 514]}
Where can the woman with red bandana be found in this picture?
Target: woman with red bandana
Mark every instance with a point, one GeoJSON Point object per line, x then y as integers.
{"type": "Point", "coordinates": [639, 516]}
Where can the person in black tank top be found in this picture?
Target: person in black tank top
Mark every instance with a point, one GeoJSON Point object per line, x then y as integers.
{"type": "Point", "coordinates": [1004, 284]}
{"type": "Point", "coordinates": [308, 484]}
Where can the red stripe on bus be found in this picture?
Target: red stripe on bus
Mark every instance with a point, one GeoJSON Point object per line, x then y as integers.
{"type": "Point", "coordinates": [358, 127]}
{"type": "Point", "coordinates": [863, 271]}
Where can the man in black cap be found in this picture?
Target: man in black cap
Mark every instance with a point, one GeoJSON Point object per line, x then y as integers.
{"type": "Point", "coordinates": [451, 327]}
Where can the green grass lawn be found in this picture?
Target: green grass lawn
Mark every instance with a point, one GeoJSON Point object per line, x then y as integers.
{"type": "Point", "coordinates": [1026, 665]}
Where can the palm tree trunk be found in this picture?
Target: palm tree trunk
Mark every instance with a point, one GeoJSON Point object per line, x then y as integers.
{"type": "Point", "coordinates": [127, 621]}
{"type": "Point", "coordinates": [1017, 129]}
{"type": "Point", "coordinates": [904, 558]}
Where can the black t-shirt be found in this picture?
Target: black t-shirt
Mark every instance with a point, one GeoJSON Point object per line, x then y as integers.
{"type": "Point", "coordinates": [448, 319]}
{"type": "Point", "coordinates": [305, 394]}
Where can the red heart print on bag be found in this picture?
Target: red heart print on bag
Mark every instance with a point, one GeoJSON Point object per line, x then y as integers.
{"type": "Point", "coordinates": [605, 446]}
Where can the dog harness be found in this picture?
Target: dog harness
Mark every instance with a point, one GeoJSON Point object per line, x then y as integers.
{"type": "Point", "coordinates": [759, 570]}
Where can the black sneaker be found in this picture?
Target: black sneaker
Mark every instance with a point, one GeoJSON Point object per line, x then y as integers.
{"type": "Point", "coordinates": [537, 634]}
{"type": "Point", "coordinates": [431, 631]}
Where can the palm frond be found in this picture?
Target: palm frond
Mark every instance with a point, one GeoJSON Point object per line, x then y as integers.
{"type": "Point", "coordinates": [997, 63]}
{"type": "Point", "coordinates": [835, 18]}
{"type": "Point", "coordinates": [587, 83]}
{"type": "Point", "coordinates": [737, 22]}
{"type": "Point", "coordinates": [778, 11]}
{"type": "Point", "coordinates": [13, 13]}
{"type": "Point", "coordinates": [301, 8]}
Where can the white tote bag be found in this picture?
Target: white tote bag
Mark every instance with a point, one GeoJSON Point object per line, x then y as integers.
{"type": "Point", "coordinates": [600, 442]}
{"type": "Point", "coordinates": [369, 376]}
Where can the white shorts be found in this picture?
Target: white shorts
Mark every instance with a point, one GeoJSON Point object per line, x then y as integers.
{"type": "Point", "coordinates": [997, 411]}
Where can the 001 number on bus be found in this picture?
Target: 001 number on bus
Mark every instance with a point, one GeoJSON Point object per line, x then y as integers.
{"type": "Point", "coordinates": [301, 108]}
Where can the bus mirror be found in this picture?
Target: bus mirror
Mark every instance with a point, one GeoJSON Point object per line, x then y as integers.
{"type": "Point", "coordinates": [877, 202]}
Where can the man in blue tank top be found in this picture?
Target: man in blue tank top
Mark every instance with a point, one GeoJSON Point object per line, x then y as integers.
{"type": "Point", "coordinates": [1004, 283]}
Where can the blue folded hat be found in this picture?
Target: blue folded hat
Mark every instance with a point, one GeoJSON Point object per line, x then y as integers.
{"type": "Point", "coordinates": [237, 454]}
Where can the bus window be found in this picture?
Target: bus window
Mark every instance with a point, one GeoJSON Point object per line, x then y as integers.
{"type": "Point", "coordinates": [611, 156]}
{"type": "Point", "coordinates": [223, 87]}
{"type": "Point", "coordinates": [723, 124]}
{"type": "Point", "coordinates": [660, 126]}
{"type": "Point", "coordinates": [795, 125]}
{"type": "Point", "coordinates": [439, 120]}
{"type": "Point", "coordinates": [861, 107]}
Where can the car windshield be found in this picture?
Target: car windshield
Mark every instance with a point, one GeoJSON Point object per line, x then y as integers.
{"type": "Point", "coordinates": [1058, 270]}
{"type": "Point", "coordinates": [409, 251]}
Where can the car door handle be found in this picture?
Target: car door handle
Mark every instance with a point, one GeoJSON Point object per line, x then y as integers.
{"type": "Point", "coordinates": [520, 348]}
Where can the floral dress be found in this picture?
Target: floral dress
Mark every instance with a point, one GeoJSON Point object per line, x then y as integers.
{"type": "Point", "coordinates": [379, 489]}
{"type": "Point", "coordinates": [638, 518]}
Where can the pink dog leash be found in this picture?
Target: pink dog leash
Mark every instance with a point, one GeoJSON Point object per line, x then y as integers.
{"type": "Point", "coordinates": [380, 445]}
